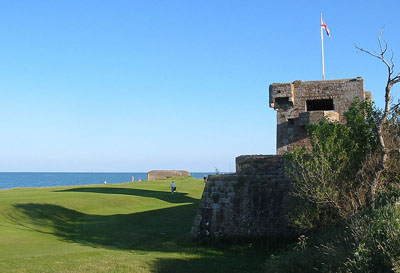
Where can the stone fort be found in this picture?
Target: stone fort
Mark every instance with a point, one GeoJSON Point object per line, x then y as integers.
{"type": "Point", "coordinates": [252, 202]}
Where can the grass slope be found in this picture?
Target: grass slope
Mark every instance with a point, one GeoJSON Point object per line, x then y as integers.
{"type": "Point", "coordinates": [131, 227]}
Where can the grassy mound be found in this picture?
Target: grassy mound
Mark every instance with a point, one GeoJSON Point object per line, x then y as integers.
{"type": "Point", "coordinates": [131, 227]}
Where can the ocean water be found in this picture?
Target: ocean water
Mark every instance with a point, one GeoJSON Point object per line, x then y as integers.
{"type": "Point", "coordinates": [10, 180]}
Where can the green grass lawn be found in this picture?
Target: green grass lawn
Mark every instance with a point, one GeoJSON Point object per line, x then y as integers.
{"type": "Point", "coordinates": [130, 227]}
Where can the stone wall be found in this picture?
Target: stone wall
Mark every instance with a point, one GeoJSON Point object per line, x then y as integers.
{"type": "Point", "coordinates": [250, 203]}
{"type": "Point", "coordinates": [159, 174]}
{"type": "Point", "coordinates": [253, 202]}
{"type": "Point", "coordinates": [290, 100]}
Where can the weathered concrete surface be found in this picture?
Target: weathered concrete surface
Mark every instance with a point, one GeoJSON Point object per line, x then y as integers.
{"type": "Point", "coordinates": [301, 103]}
{"type": "Point", "coordinates": [159, 174]}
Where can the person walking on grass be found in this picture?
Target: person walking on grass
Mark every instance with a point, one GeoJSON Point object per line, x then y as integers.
{"type": "Point", "coordinates": [173, 187]}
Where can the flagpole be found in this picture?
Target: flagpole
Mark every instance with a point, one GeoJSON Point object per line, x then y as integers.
{"type": "Point", "coordinates": [322, 46]}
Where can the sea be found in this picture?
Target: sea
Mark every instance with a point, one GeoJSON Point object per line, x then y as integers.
{"type": "Point", "coordinates": [9, 180]}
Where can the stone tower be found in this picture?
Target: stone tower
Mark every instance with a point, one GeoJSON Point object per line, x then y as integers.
{"type": "Point", "coordinates": [253, 202]}
{"type": "Point", "coordinates": [300, 103]}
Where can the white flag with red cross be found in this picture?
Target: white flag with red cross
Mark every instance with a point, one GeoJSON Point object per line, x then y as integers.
{"type": "Point", "coordinates": [323, 25]}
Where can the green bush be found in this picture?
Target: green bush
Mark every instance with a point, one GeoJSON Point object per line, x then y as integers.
{"type": "Point", "coordinates": [326, 189]}
{"type": "Point", "coordinates": [325, 252]}
{"type": "Point", "coordinates": [330, 197]}
{"type": "Point", "coordinates": [369, 242]}
{"type": "Point", "coordinates": [376, 237]}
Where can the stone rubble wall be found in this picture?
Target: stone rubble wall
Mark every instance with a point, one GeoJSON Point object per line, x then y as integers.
{"type": "Point", "coordinates": [250, 203]}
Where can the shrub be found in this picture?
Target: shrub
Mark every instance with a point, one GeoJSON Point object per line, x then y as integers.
{"type": "Point", "coordinates": [326, 189]}
{"type": "Point", "coordinates": [376, 237]}
{"type": "Point", "coordinates": [369, 242]}
{"type": "Point", "coordinates": [333, 182]}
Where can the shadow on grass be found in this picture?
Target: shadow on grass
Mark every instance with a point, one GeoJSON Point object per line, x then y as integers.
{"type": "Point", "coordinates": [162, 230]}
{"type": "Point", "coordinates": [177, 197]}
{"type": "Point", "coordinates": [157, 230]}
{"type": "Point", "coordinates": [250, 263]}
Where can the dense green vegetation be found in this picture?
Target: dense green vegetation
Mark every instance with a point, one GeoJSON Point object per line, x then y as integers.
{"type": "Point", "coordinates": [349, 216]}
{"type": "Point", "coordinates": [131, 227]}
{"type": "Point", "coordinates": [369, 242]}
{"type": "Point", "coordinates": [327, 187]}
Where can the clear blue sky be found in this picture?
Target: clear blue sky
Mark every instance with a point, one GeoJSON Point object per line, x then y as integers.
{"type": "Point", "coordinates": [139, 85]}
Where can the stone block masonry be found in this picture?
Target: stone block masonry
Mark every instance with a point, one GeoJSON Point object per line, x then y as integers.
{"type": "Point", "coordinates": [250, 203]}
{"type": "Point", "coordinates": [300, 103]}
{"type": "Point", "coordinates": [253, 202]}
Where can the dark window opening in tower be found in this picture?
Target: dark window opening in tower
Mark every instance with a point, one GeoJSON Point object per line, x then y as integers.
{"type": "Point", "coordinates": [320, 105]}
{"type": "Point", "coordinates": [283, 103]}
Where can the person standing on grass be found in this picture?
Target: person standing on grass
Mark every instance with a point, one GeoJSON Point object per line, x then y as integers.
{"type": "Point", "coordinates": [205, 178]}
{"type": "Point", "coordinates": [173, 187]}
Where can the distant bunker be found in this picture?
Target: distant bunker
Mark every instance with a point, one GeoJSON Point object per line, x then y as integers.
{"type": "Point", "coordinates": [159, 174]}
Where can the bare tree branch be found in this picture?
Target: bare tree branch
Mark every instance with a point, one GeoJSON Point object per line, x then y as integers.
{"type": "Point", "coordinates": [391, 81]}
{"type": "Point", "coordinates": [391, 61]}
{"type": "Point", "coordinates": [376, 55]}
{"type": "Point", "coordinates": [394, 107]}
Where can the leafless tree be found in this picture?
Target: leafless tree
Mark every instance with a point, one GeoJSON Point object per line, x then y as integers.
{"type": "Point", "coordinates": [392, 79]}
